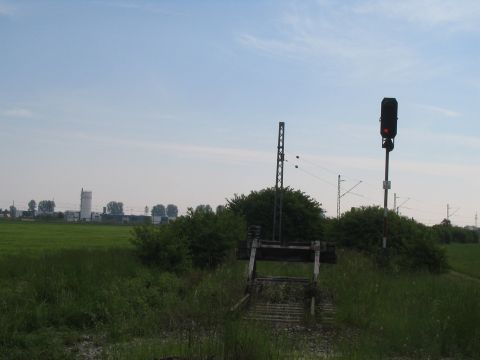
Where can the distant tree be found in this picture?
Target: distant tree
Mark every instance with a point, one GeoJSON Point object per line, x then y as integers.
{"type": "Point", "coordinates": [172, 211]}
{"type": "Point", "coordinates": [32, 205]}
{"type": "Point", "coordinates": [158, 210]}
{"type": "Point", "coordinates": [219, 209]}
{"type": "Point", "coordinates": [46, 206]}
{"type": "Point", "coordinates": [115, 208]}
{"type": "Point", "coordinates": [204, 208]}
{"type": "Point", "coordinates": [446, 233]}
{"type": "Point", "coordinates": [146, 210]}
{"type": "Point", "coordinates": [13, 211]}
{"type": "Point", "coordinates": [302, 219]}
{"type": "Point", "coordinates": [446, 222]}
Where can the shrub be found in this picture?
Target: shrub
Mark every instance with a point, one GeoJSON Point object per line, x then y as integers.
{"type": "Point", "coordinates": [445, 233]}
{"type": "Point", "coordinates": [302, 217]}
{"type": "Point", "coordinates": [210, 236]}
{"type": "Point", "coordinates": [200, 237]}
{"type": "Point", "coordinates": [410, 244]}
{"type": "Point", "coordinates": [163, 246]}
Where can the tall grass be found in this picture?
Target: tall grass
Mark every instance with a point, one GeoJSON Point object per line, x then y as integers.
{"type": "Point", "coordinates": [417, 315]}
{"type": "Point", "coordinates": [234, 340]}
{"type": "Point", "coordinates": [45, 301]}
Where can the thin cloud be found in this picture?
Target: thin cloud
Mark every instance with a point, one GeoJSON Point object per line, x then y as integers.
{"type": "Point", "coordinates": [135, 5]}
{"type": "Point", "coordinates": [430, 138]}
{"type": "Point", "coordinates": [333, 39]}
{"type": "Point", "coordinates": [441, 111]}
{"type": "Point", "coordinates": [434, 169]}
{"type": "Point", "coordinates": [458, 14]}
{"type": "Point", "coordinates": [5, 10]}
{"type": "Point", "coordinates": [17, 113]}
{"type": "Point", "coordinates": [208, 152]}
{"type": "Point", "coordinates": [273, 47]}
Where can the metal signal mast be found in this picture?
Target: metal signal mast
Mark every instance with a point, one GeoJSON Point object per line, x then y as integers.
{"type": "Point", "coordinates": [340, 195]}
{"type": "Point", "coordinates": [278, 202]}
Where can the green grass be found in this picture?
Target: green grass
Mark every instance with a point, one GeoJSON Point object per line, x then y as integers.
{"type": "Point", "coordinates": [48, 302]}
{"type": "Point", "coordinates": [410, 315]}
{"type": "Point", "coordinates": [86, 281]}
{"type": "Point", "coordinates": [235, 340]}
{"type": "Point", "coordinates": [464, 258]}
{"type": "Point", "coordinates": [36, 237]}
{"type": "Point", "coordinates": [293, 269]}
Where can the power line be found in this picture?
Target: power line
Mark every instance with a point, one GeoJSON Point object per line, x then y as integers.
{"type": "Point", "coordinates": [313, 175]}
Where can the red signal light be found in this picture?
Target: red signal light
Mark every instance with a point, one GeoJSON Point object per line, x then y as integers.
{"type": "Point", "coordinates": [386, 131]}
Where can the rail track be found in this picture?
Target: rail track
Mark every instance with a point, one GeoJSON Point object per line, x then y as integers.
{"type": "Point", "coordinates": [286, 301]}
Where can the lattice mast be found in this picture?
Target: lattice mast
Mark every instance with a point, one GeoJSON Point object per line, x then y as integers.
{"type": "Point", "coordinates": [278, 202]}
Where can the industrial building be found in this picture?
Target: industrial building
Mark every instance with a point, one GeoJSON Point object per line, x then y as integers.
{"type": "Point", "coordinates": [85, 205]}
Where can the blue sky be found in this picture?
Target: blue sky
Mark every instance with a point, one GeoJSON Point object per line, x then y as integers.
{"type": "Point", "coordinates": [151, 102]}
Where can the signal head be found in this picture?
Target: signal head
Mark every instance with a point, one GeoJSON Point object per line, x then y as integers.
{"type": "Point", "coordinates": [388, 118]}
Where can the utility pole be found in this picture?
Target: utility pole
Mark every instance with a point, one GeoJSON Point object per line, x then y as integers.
{"type": "Point", "coordinates": [399, 206]}
{"type": "Point", "coordinates": [449, 213]}
{"type": "Point", "coordinates": [476, 218]}
{"type": "Point", "coordinates": [340, 195]}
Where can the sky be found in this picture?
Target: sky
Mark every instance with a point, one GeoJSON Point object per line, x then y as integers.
{"type": "Point", "coordinates": [152, 101]}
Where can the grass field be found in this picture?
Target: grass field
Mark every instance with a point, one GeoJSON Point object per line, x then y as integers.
{"type": "Point", "coordinates": [35, 237]}
{"type": "Point", "coordinates": [464, 258]}
{"type": "Point", "coordinates": [85, 289]}
{"type": "Point", "coordinates": [88, 290]}
{"type": "Point", "coordinates": [403, 315]}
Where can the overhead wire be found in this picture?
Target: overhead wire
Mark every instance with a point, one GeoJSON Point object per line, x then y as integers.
{"type": "Point", "coordinates": [415, 209]}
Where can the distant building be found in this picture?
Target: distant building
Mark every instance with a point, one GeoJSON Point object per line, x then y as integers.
{"type": "Point", "coordinates": [125, 219]}
{"type": "Point", "coordinates": [160, 220]}
{"type": "Point", "coordinates": [113, 219]}
{"type": "Point", "coordinates": [41, 212]}
{"type": "Point", "coordinates": [71, 215]}
{"type": "Point", "coordinates": [85, 205]}
{"type": "Point", "coordinates": [96, 217]}
{"type": "Point", "coordinates": [28, 213]}
{"type": "Point", "coordinates": [13, 211]}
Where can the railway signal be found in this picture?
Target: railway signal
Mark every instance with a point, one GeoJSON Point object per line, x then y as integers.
{"type": "Point", "coordinates": [388, 130]}
{"type": "Point", "coordinates": [388, 118]}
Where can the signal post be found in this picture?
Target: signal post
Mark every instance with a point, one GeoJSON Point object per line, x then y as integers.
{"type": "Point", "coordinates": [388, 130]}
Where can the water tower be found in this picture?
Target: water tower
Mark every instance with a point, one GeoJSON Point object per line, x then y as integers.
{"type": "Point", "coordinates": [85, 205]}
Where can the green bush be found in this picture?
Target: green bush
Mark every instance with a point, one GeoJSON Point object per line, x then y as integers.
{"type": "Point", "coordinates": [201, 238]}
{"type": "Point", "coordinates": [302, 216]}
{"type": "Point", "coordinates": [445, 233]}
{"type": "Point", "coordinates": [163, 246]}
{"type": "Point", "coordinates": [210, 236]}
{"type": "Point", "coordinates": [411, 245]}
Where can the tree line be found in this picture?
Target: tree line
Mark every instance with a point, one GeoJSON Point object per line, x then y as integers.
{"type": "Point", "coordinates": [112, 208]}
{"type": "Point", "coordinates": [203, 238]}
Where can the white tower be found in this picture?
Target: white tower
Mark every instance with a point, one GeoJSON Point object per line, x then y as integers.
{"type": "Point", "coordinates": [85, 205]}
